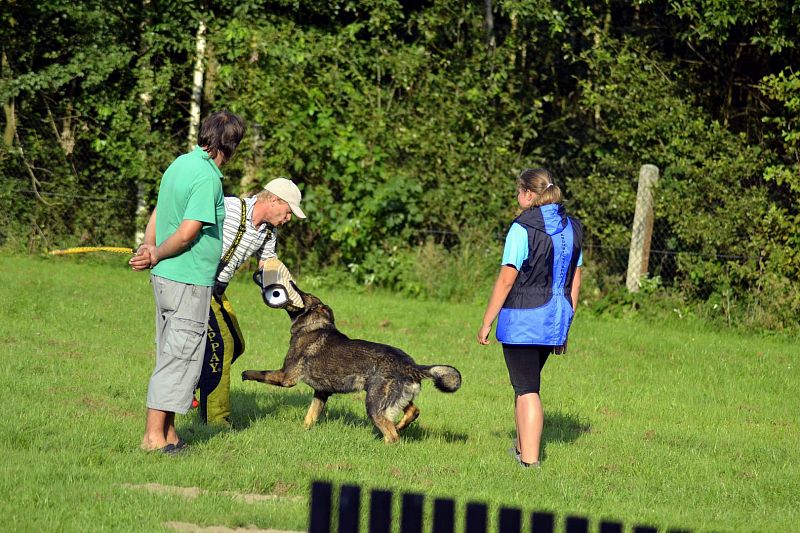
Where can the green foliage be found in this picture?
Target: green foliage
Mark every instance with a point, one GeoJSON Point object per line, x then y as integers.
{"type": "Point", "coordinates": [465, 272]}
{"type": "Point", "coordinates": [784, 87]}
{"type": "Point", "coordinates": [405, 125]}
{"type": "Point", "coordinates": [713, 208]}
{"type": "Point", "coordinates": [765, 23]}
{"type": "Point", "coordinates": [357, 116]}
{"type": "Point", "coordinates": [93, 104]}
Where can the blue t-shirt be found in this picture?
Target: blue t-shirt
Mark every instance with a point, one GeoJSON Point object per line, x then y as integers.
{"type": "Point", "coordinates": [516, 249]}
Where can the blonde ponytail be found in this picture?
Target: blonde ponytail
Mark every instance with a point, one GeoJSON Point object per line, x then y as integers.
{"type": "Point", "coordinates": [539, 181]}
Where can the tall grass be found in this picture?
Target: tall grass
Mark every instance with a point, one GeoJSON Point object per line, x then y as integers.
{"type": "Point", "coordinates": [672, 424]}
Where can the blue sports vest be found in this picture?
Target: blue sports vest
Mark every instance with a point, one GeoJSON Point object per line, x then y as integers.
{"type": "Point", "coordinates": [538, 309]}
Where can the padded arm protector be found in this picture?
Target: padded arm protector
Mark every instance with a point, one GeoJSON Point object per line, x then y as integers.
{"type": "Point", "coordinates": [276, 289]}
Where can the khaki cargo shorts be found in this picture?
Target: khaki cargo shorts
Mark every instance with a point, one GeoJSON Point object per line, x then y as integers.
{"type": "Point", "coordinates": [181, 323]}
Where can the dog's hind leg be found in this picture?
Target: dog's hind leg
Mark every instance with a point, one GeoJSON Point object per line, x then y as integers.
{"type": "Point", "coordinates": [409, 415]}
{"type": "Point", "coordinates": [378, 416]}
{"type": "Point", "coordinates": [386, 427]}
{"type": "Point", "coordinates": [315, 409]}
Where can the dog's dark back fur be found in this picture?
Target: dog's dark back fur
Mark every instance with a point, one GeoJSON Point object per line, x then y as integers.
{"type": "Point", "coordinates": [330, 362]}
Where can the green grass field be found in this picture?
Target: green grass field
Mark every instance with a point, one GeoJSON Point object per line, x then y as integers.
{"type": "Point", "coordinates": [667, 424]}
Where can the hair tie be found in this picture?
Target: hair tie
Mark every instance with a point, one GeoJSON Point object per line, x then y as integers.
{"type": "Point", "coordinates": [548, 186]}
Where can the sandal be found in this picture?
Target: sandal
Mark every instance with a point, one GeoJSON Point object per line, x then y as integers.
{"type": "Point", "coordinates": [517, 455]}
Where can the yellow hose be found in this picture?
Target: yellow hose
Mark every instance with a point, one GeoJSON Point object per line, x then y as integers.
{"type": "Point", "coordinates": [85, 249]}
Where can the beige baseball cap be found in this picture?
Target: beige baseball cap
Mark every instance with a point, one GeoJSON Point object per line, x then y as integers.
{"type": "Point", "coordinates": [287, 191]}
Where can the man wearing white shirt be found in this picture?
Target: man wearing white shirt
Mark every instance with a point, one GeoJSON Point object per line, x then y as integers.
{"type": "Point", "coordinates": [254, 234]}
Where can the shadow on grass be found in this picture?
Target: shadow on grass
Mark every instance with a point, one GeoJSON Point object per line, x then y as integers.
{"type": "Point", "coordinates": [558, 427]}
{"type": "Point", "coordinates": [417, 432]}
{"type": "Point", "coordinates": [250, 406]}
{"type": "Point", "coordinates": [246, 408]}
{"type": "Point", "coordinates": [266, 401]}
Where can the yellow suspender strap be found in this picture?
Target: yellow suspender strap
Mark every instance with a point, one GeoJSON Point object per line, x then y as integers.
{"type": "Point", "coordinates": [227, 257]}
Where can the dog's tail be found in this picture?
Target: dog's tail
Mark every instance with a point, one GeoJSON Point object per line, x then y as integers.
{"type": "Point", "coordinates": [445, 378]}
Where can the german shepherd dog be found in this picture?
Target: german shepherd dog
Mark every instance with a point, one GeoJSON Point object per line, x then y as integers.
{"type": "Point", "coordinates": [330, 362]}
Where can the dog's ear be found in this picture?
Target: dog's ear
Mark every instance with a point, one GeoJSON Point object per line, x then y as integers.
{"type": "Point", "coordinates": [327, 311]}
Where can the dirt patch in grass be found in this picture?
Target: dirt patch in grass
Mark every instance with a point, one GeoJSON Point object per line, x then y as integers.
{"type": "Point", "coordinates": [187, 527]}
{"type": "Point", "coordinates": [193, 492]}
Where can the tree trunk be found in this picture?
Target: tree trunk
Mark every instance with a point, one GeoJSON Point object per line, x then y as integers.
{"type": "Point", "coordinates": [600, 36]}
{"type": "Point", "coordinates": [197, 85]}
{"type": "Point", "coordinates": [145, 97]}
{"type": "Point", "coordinates": [8, 107]}
{"type": "Point", "coordinates": [210, 76]}
{"type": "Point", "coordinates": [67, 136]}
{"type": "Point", "coordinates": [249, 183]}
{"type": "Point", "coordinates": [489, 20]}
{"type": "Point", "coordinates": [11, 123]}
{"type": "Point", "coordinates": [145, 66]}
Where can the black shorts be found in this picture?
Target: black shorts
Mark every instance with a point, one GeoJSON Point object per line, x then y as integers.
{"type": "Point", "coordinates": [525, 363]}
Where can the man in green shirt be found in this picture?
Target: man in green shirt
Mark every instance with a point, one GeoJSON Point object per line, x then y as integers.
{"type": "Point", "coordinates": [182, 245]}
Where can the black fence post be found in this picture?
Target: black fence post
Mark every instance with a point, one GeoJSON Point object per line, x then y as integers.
{"type": "Point", "coordinates": [349, 508]}
{"type": "Point", "coordinates": [610, 527]}
{"type": "Point", "coordinates": [411, 521]}
{"type": "Point", "coordinates": [444, 516]}
{"type": "Point", "coordinates": [476, 518]}
{"type": "Point", "coordinates": [320, 519]}
{"type": "Point", "coordinates": [542, 523]}
{"type": "Point", "coordinates": [509, 521]}
{"type": "Point", "coordinates": [380, 512]}
{"type": "Point", "coordinates": [576, 524]}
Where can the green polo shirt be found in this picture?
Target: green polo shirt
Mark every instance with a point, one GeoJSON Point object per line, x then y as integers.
{"type": "Point", "coordinates": [191, 190]}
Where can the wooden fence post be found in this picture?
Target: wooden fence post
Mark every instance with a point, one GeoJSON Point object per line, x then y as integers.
{"type": "Point", "coordinates": [642, 230]}
{"type": "Point", "coordinates": [477, 516]}
{"type": "Point", "coordinates": [412, 514]}
{"type": "Point", "coordinates": [411, 520]}
{"type": "Point", "coordinates": [444, 513]}
{"type": "Point", "coordinates": [509, 520]}
{"type": "Point", "coordinates": [576, 524]}
{"type": "Point", "coordinates": [349, 508]}
{"type": "Point", "coordinates": [542, 522]}
{"type": "Point", "coordinates": [380, 512]}
{"type": "Point", "coordinates": [321, 499]}
{"type": "Point", "coordinates": [607, 526]}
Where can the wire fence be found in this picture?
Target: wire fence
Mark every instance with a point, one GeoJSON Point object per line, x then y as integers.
{"type": "Point", "coordinates": [615, 259]}
{"type": "Point", "coordinates": [647, 259]}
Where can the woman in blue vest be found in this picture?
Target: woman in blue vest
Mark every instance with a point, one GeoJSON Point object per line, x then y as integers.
{"type": "Point", "coordinates": [534, 299]}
